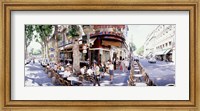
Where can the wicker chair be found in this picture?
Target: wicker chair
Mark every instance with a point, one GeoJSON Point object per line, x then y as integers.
{"type": "Point", "coordinates": [61, 81]}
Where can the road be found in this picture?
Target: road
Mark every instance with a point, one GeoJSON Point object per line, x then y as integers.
{"type": "Point", "coordinates": [162, 73]}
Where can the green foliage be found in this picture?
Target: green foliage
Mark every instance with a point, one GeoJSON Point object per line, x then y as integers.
{"type": "Point", "coordinates": [59, 37]}
{"type": "Point", "coordinates": [132, 47]}
{"type": "Point", "coordinates": [37, 52]}
{"type": "Point", "coordinates": [140, 51]}
{"type": "Point", "coordinates": [43, 31]}
{"type": "Point", "coordinates": [74, 31]}
{"type": "Point", "coordinates": [29, 29]}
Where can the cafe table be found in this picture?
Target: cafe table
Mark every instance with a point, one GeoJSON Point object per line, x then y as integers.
{"type": "Point", "coordinates": [73, 79]}
{"type": "Point", "coordinates": [137, 70]}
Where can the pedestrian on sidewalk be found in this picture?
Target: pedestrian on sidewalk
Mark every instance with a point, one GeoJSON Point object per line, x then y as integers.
{"type": "Point", "coordinates": [101, 70]}
{"type": "Point", "coordinates": [104, 69]}
{"type": "Point", "coordinates": [126, 64]}
{"type": "Point", "coordinates": [123, 65]}
{"type": "Point", "coordinates": [33, 60]}
{"type": "Point", "coordinates": [111, 71]}
{"type": "Point", "coordinates": [96, 74]}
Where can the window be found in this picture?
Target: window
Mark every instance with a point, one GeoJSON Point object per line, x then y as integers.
{"type": "Point", "coordinates": [170, 43]}
{"type": "Point", "coordinates": [166, 44]}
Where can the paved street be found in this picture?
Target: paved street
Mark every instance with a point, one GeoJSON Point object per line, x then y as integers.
{"type": "Point", "coordinates": [161, 73]}
{"type": "Point", "coordinates": [120, 79]}
{"type": "Point", "coordinates": [35, 76]}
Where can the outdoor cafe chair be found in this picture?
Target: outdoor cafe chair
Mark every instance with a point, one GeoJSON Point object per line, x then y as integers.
{"type": "Point", "coordinates": [61, 81]}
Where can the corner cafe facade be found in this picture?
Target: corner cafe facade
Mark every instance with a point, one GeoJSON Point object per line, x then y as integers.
{"type": "Point", "coordinates": [107, 43]}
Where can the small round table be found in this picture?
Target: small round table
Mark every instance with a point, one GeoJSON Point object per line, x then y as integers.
{"type": "Point", "coordinates": [73, 79]}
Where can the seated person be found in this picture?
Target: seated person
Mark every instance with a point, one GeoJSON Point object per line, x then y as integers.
{"type": "Point", "coordinates": [48, 66]}
{"type": "Point", "coordinates": [90, 71]}
{"type": "Point", "coordinates": [55, 67]}
{"type": "Point", "coordinates": [67, 72]}
{"type": "Point", "coordinates": [83, 70]}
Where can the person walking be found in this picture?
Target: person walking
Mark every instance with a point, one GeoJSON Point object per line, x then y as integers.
{"type": "Point", "coordinates": [123, 65]}
{"type": "Point", "coordinates": [126, 62]}
{"type": "Point", "coordinates": [33, 60]}
{"type": "Point", "coordinates": [111, 71]}
{"type": "Point", "coordinates": [101, 70]}
{"type": "Point", "coordinates": [96, 74]}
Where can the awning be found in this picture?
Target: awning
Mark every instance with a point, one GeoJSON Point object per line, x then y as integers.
{"type": "Point", "coordinates": [150, 53]}
{"type": "Point", "coordinates": [163, 52]}
{"type": "Point", "coordinates": [167, 51]}
{"type": "Point", "coordinates": [92, 40]}
{"type": "Point", "coordinates": [99, 49]}
{"type": "Point", "coordinates": [111, 43]}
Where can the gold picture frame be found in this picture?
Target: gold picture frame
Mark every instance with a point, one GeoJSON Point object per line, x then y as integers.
{"type": "Point", "coordinates": [120, 5]}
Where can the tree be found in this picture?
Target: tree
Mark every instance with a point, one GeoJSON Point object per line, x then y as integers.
{"type": "Point", "coordinates": [44, 32]}
{"type": "Point", "coordinates": [132, 47]}
{"type": "Point", "coordinates": [55, 35]}
{"type": "Point", "coordinates": [75, 34]}
{"type": "Point", "coordinates": [140, 51]}
{"type": "Point", "coordinates": [32, 50]}
{"type": "Point", "coordinates": [29, 29]}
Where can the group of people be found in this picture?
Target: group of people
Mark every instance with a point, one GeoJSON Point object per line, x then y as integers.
{"type": "Point", "coordinates": [58, 68]}
{"type": "Point", "coordinates": [98, 71]}
{"type": "Point", "coordinates": [124, 65]}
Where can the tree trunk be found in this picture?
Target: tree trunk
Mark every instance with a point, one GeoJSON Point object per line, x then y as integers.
{"type": "Point", "coordinates": [42, 52]}
{"type": "Point", "coordinates": [56, 49]}
{"type": "Point", "coordinates": [56, 43]}
{"type": "Point", "coordinates": [26, 53]}
{"type": "Point", "coordinates": [45, 51]}
{"type": "Point", "coordinates": [76, 56]}
{"type": "Point", "coordinates": [48, 51]}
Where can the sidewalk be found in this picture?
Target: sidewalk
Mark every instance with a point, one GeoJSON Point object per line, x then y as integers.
{"type": "Point", "coordinates": [120, 79]}
{"type": "Point", "coordinates": [35, 76]}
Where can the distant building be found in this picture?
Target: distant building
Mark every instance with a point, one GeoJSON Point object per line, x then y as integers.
{"type": "Point", "coordinates": [161, 43]}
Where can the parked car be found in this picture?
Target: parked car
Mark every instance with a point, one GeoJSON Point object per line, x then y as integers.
{"type": "Point", "coordinates": [152, 60]}
{"type": "Point", "coordinates": [136, 58]}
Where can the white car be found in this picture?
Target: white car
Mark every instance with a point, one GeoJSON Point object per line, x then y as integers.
{"type": "Point", "coordinates": [152, 60]}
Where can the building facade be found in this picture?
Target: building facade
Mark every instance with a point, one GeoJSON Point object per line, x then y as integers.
{"type": "Point", "coordinates": [100, 44]}
{"type": "Point", "coordinates": [160, 43]}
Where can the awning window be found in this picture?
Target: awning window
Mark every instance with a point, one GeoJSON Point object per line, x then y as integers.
{"type": "Point", "coordinates": [111, 43]}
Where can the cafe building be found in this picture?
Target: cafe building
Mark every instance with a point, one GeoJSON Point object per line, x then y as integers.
{"type": "Point", "coordinates": [106, 43]}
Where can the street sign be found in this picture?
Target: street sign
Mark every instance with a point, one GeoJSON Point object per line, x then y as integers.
{"type": "Point", "coordinates": [84, 51]}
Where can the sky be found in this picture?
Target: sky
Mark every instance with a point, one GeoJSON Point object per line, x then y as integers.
{"type": "Point", "coordinates": [138, 33]}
